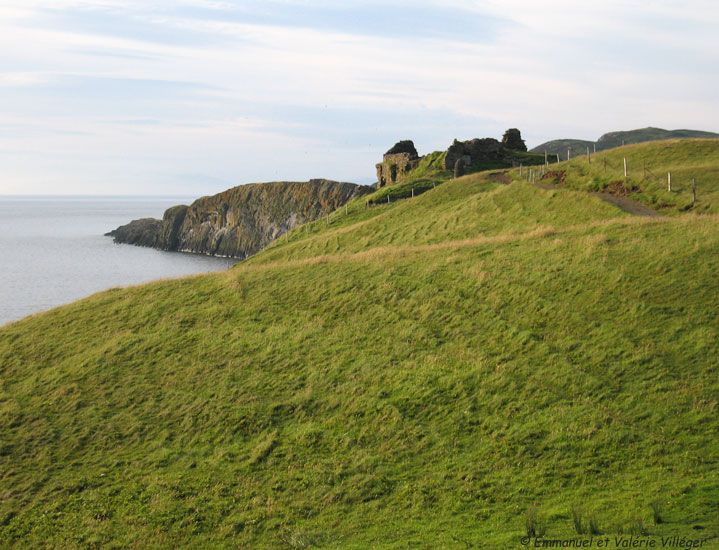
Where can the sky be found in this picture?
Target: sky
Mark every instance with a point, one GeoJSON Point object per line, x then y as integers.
{"type": "Point", "coordinates": [195, 96]}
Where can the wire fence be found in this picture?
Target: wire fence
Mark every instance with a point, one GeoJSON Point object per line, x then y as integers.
{"type": "Point", "coordinates": [607, 166]}
{"type": "Point", "coordinates": [533, 174]}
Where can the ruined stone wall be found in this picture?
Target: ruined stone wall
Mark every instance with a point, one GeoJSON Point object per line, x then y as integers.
{"type": "Point", "coordinates": [393, 166]}
{"type": "Point", "coordinates": [472, 151]}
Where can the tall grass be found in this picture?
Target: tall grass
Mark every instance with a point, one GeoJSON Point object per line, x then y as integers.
{"type": "Point", "coordinates": [407, 376]}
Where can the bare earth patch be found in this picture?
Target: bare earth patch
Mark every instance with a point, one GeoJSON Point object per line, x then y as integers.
{"type": "Point", "coordinates": [628, 205]}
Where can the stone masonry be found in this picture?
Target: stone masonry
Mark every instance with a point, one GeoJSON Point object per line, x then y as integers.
{"type": "Point", "coordinates": [399, 160]}
{"type": "Point", "coordinates": [472, 151]}
{"type": "Point", "coordinates": [403, 157]}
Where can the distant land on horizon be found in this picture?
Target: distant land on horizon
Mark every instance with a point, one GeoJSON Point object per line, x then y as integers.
{"type": "Point", "coordinates": [616, 139]}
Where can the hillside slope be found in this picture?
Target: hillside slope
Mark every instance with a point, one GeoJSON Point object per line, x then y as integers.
{"type": "Point", "coordinates": [610, 140]}
{"type": "Point", "coordinates": [425, 373]}
{"type": "Point", "coordinates": [241, 221]}
{"type": "Point", "coordinates": [689, 163]}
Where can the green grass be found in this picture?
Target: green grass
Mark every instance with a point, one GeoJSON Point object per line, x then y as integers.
{"type": "Point", "coordinates": [425, 374]}
{"type": "Point", "coordinates": [430, 172]}
{"type": "Point", "coordinates": [648, 167]}
{"type": "Point", "coordinates": [617, 139]}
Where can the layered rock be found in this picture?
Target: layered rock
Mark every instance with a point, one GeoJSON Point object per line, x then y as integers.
{"type": "Point", "coordinates": [240, 221]}
{"type": "Point", "coordinates": [142, 232]}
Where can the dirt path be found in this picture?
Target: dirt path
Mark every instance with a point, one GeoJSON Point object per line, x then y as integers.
{"type": "Point", "coordinates": [628, 205]}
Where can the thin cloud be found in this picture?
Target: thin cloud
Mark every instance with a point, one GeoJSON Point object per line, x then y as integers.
{"type": "Point", "coordinates": [252, 90]}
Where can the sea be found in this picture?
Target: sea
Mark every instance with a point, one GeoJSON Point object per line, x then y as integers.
{"type": "Point", "coordinates": [53, 250]}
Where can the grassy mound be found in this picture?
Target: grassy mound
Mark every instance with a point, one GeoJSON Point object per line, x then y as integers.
{"type": "Point", "coordinates": [439, 372]}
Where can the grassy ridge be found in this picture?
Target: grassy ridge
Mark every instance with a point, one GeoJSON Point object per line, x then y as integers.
{"type": "Point", "coordinates": [418, 374]}
{"type": "Point", "coordinates": [648, 167]}
{"type": "Point", "coordinates": [430, 172]}
{"type": "Point", "coordinates": [469, 207]}
{"type": "Point", "coordinates": [617, 139]}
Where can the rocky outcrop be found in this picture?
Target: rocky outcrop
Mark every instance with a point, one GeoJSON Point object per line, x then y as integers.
{"type": "Point", "coordinates": [240, 221]}
{"type": "Point", "coordinates": [143, 232]}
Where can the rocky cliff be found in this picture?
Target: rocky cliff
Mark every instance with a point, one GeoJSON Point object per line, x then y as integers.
{"type": "Point", "coordinates": [240, 221]}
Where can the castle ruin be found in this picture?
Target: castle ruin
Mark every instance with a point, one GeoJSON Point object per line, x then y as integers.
{"type": "Point", "coordinates": [403, 157]}
{"type": "Point", "coordinates": [399, 160]}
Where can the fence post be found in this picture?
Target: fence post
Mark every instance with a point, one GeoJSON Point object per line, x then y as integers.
{"type": "Point", "coordinates": [558, 159]}
{"type": "Point", "coordinates": [625, 167]}
{"type": "Point", "coordinates": [387, 198]}
{"type": "Point", "coordinates": [520, 169]}
{"type": "Point", "coordinates": [589, 159]}
{"type": "Point", "coordinates": [569, 152]}
{"type": "Point", "coordinates": [413, 192]}
{"type": "Point", "coordinates": [669, 181]}
{"type": "Point", "coordinates": [595, 148]}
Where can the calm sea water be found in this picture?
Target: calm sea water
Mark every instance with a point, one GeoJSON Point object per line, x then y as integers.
{"type": "Point", "coordinates": [52, 250]}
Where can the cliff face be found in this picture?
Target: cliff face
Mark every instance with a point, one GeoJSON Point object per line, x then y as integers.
{"type": "Point", "coordinates": [241, 221]}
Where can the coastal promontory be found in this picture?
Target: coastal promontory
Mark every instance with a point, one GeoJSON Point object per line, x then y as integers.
{"type": "Point", "coordinates": [241, 221]}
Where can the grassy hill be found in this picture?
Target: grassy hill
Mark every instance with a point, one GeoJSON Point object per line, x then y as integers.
{"type": "Point", "coordinates": [564, 147]}
{"type": "Point", "coordinates": [648, 168]}
{"type": "Point", "coordinates": [617, 139]}
{"type": "Point", "coordinates": [443, 371]}
{"type": "Point", "coordinates": [430, 172]}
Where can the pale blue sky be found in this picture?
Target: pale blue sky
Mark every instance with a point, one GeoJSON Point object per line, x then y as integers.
{"type": "Point", "coordinates": [194, 96]}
